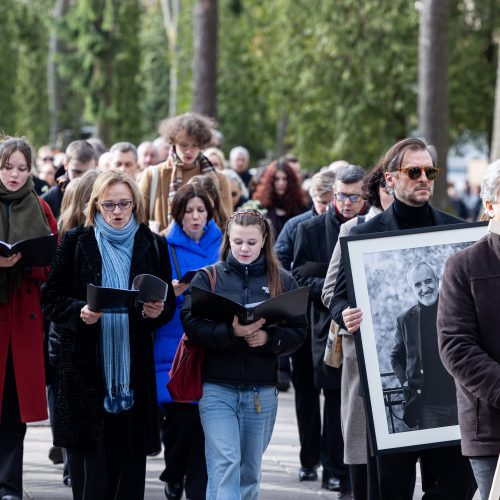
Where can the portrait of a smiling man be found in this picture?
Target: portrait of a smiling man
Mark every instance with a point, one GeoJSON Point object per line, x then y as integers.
{"type": "Point", "coordinates": [429, 390]}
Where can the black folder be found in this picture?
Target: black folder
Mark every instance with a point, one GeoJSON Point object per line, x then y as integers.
{"type": "Point", "coordinates": [218, 308]}
{"type": "Point", "coordinates": [35, 251]}
{"type": "Point", "coordinates": [145, 288]}
{"type": "Point", "coordinates": [188, 276]}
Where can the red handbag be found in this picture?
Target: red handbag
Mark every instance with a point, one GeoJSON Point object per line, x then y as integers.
{"type": "Point", "coordinates": [185, 384]}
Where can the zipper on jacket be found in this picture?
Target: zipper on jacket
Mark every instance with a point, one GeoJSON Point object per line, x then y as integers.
{"type": "Point", "coordinates": [245, 287]}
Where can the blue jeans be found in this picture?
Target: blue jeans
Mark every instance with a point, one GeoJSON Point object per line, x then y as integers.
{"type": "Point", "coordinates": [236, 436]}
{"type": "Point", "coordinates": [484, 470]}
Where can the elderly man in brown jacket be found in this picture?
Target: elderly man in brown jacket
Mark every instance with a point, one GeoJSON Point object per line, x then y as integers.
{"type": "Point", "coordinates": [468, 335]}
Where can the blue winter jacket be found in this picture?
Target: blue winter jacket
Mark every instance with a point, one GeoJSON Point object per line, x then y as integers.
{"type": "Point", "coordinates": [190, 256]}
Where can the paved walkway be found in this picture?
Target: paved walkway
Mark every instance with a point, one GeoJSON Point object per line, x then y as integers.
{"type": "Point", "coordinates": [43, 480]}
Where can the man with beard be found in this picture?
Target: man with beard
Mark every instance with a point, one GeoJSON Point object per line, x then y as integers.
{"type": "Point", "coordinates": [410, 168]}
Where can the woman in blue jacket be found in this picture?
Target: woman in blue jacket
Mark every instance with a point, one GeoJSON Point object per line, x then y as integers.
{"type": "Point", "coordinates": [194, 242]}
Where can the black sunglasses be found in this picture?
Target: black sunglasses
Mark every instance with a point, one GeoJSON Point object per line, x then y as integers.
{"type": "Point", "coordinates": [414, 173]}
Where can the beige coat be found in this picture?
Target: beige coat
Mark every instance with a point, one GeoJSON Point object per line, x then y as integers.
{"type": "Point", "coordinates": [160, 213]}
{"type": "Point", "coordinates": [352, 409]}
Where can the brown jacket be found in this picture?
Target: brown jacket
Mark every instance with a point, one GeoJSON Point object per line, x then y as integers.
{"type": "Point", "coordinates": [469, 342]}
{"type": "Point", "coordinates": [161, 199]}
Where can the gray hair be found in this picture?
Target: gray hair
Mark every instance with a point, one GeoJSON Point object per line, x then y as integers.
{"type": "Point", "coordinates": [322, 183]}
{"type": "Point", "coordinates": [124, 147]}
{"type": "Point", "coordinates": [415, 266]}
{"type": "Point", "coordinates": [350, 174]}
{"type": "Point", "coordinates": [489, 186]}
{"type": "Point", "coordinates": [233, 176]}
{"type": "Point", "coordinates": [237, 151]}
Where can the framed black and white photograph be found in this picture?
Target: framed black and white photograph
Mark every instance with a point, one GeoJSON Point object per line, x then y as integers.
{"type": "Point", "coordinates": [394, 278]}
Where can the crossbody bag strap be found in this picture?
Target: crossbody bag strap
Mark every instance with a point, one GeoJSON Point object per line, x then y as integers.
{"type": "Point", "coordinates": [212, 276]}
{"type": "Point", "coordinates": [152, 192]}
{"type": "Point", "coordinates": [176, 262]}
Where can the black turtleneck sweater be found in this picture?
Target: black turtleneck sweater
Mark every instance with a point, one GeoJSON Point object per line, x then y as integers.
{"type": "Point", "coordinates": [409, 217]}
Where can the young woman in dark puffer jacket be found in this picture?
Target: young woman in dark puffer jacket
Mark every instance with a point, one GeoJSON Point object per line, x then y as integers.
{"type": "Point", "coordinates": [240, 371]}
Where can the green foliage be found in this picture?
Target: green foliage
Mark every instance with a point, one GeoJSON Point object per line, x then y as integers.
{"type": "Point", "coordinates": [8, 66]}
{"type": "Point", "coordinates": [472, 69]}
{"type": "Point", "coordinates": [30, 96]}
{"type": "Point", "coordinates": [153, 69]}
{"type": "Point", "coordinates": [103, 61]}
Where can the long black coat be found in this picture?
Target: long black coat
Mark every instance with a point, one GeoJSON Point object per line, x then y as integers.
{"type": "Point", "coordinates": [79, 384]}
{"type": "Point", "coordinates": [316, 240]}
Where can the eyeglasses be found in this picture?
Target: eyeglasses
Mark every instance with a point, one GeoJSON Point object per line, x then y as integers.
{"type": "Point", "coordinates": [109, 206]}
{"type": "Point", "coordinates": [352, 197]}
{"type": "Point", "coordinates": [414, 173]}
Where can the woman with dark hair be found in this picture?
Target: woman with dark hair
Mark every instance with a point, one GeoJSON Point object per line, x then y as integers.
{"type": "Point", "coordinates": [106, 412]}
{"type": "Point", "coordinates": [23, 215]}
{"type": "Point", "coordinates": [239, 374]}
{"type": "Point", "coordinates": [220, 213]}
{"type": "Point", "coordinates": [194, 242]}
{"type": "Point", "coordinates": [379, 197]}
{"type": "Point", "coordinates": [280, 193]}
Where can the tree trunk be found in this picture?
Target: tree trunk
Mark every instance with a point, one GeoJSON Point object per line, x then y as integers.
{"type": "Point", "coordinates": [433, 113]}
{"type": "Point", "coordinates": [205, 58]}
{"type": "Point", "coordinates": [53, 79]}
{"type": "Point", "coordinates": [281, 132]}
{"type": "Point", "coordinates": [170, 10]}
{"type": "Point", "coordinates": [495, 141]}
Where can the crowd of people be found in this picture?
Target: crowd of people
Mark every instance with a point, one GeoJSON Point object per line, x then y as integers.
{"type": "Point", "coordinates": [175, 205]}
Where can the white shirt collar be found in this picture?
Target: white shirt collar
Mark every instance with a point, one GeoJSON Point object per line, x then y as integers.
{"type": "Point", "coordinates": [494, 226]}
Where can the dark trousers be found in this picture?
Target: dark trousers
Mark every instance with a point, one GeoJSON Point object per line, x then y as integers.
{"type": "Point", "coordinates": [51, 401]}
{"type": "Point", "coordinates": [335, 439]}
{"type": "Point", "coordinates": [307, 405]}
{"type": "Point", "coordinates": [359, 481]}
{"type": "Point", "coordinates": [12, 432]}
{"type": "Point", "coordinates": [452, 477]}
{"type": "Point", "coordinates": [109, 471]}
{"type": "Point", "coordinates": [184, 442]}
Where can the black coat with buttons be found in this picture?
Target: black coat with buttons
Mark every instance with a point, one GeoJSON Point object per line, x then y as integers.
{"type": "Point", "coordinates": [79, 384]}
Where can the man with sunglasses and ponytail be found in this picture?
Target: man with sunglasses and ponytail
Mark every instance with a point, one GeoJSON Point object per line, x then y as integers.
{"type": "Point", "coordinates": [410, 169]}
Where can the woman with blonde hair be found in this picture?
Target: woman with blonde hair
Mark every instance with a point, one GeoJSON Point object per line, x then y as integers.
{"type": "Point", "coordinates": [105, 409]}
{"type": "Point", "coordinates": [76, 197]}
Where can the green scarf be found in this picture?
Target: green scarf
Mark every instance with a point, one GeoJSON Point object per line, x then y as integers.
{"type": "Point", "coordinates": [21, 218]}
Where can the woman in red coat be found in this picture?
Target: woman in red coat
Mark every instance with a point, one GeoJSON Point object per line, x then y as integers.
{"type": "Point", "coordinates": [22, 375]}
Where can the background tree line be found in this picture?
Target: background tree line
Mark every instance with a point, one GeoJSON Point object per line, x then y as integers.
{"type": "Point", "coordinates": [329, 80]}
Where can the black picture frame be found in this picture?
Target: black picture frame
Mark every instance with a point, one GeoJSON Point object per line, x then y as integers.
{"type": "Point", "coordinates": [376, 266]}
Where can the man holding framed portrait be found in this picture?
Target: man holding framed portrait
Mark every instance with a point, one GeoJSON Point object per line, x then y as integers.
{"type": "Point", "coordinates": [410, 170]}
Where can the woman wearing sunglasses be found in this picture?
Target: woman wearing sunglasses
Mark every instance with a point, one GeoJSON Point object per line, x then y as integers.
{"type": "Point", "coordinates": [105, 391]}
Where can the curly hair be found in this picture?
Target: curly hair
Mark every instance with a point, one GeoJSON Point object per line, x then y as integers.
{"type": "Point", "coordinates": [192, 124]}
{"type": "Point", "coordinates": [294, 200]}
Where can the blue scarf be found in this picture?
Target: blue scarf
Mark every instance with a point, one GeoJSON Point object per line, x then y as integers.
{"type": "Point", "coordinates": [116, 247]}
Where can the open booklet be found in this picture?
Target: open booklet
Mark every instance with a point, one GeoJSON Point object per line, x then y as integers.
{"type": "Point", "coordinates": [35, 251]}
{"type": "Point", "coordinates": [221, 309]}
{"type": "Point", "coordinates": [145, 288]}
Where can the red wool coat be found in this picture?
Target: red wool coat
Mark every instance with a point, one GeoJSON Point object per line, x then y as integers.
{"type": "Point", "coordinates": [21, 326]}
